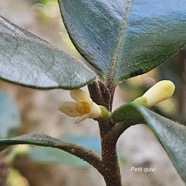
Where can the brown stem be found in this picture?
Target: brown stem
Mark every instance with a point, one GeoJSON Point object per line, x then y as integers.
{"type": "Point", "coordinates": [82, 153]}
{"type": "Point", "coordinates": [103, 95]}
{"type": "Point", "coordinates": [110, 165]}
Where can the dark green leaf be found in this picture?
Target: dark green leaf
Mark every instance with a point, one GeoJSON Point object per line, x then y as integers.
{"type": "Point", "coordinates": [172, 135]}
{"type": "Point", "coordinates": [33, 139]}
{"type": "Point", "coordinates": [31, 61]}
{"type": "Point", "coordinates": [124, 38]}
{"type": "Point", "coordinates": [9, 114]}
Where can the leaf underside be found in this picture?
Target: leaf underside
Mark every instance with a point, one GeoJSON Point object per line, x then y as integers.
{"type": "Point", "coordinates": [125, 38]}
{"type": "Point", "coordinates": [28, 60]}
{"type": "Point", "coordinates": [172, 135]}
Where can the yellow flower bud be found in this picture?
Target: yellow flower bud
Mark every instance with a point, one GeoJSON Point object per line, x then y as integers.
{"type": "Point", "coordinates": [159, 92]}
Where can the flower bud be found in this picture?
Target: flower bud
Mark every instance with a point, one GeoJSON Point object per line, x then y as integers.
{"type": "Point", "coordinates": [159, 92]}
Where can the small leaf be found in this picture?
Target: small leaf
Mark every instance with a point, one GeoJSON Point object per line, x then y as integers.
{"type": "Point", "coordinates": [125, 38]}
{"type": "Point", "coordinates": [28, 60]}
{"type": "Point", "coordinates": [9, 114]}
{"type": "Point", "coordinates": [171, 134]}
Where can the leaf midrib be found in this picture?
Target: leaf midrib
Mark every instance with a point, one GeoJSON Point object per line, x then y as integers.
{"type": "Point", "coordinates": [121, 41]}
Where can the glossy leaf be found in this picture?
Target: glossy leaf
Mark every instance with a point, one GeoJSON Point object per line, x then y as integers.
{"type": "Point", "coordinates": [9, 114]}
{"type": "Point", "coordinates": [125, 38]}
{"type": "Point", "coordinates": [28, 60]}
{"type": "Point", "coordinates": [172, 135]}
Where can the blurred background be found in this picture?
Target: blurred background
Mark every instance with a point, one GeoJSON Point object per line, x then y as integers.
{"type": "Point", "coordinates": [24, 110]}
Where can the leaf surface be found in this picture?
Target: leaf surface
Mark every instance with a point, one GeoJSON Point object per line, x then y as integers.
{"type": "Point", "coordinates": [39, 139]}
{"type": "Point", "coordinates": [28, 60]}
{"type": "Point", "coordinates": [172, 135]}
{"type": "Point", "coordinates": [125, 38]}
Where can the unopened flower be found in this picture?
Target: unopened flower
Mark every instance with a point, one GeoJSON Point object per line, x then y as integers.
{"type": "Point", "coordinates": [159, 92]}
{"type": "Point", "coordinates": [83, 107]}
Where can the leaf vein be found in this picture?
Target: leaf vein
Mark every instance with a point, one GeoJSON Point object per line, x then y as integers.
{"type": "Point", "coordinates": [121, 41]}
